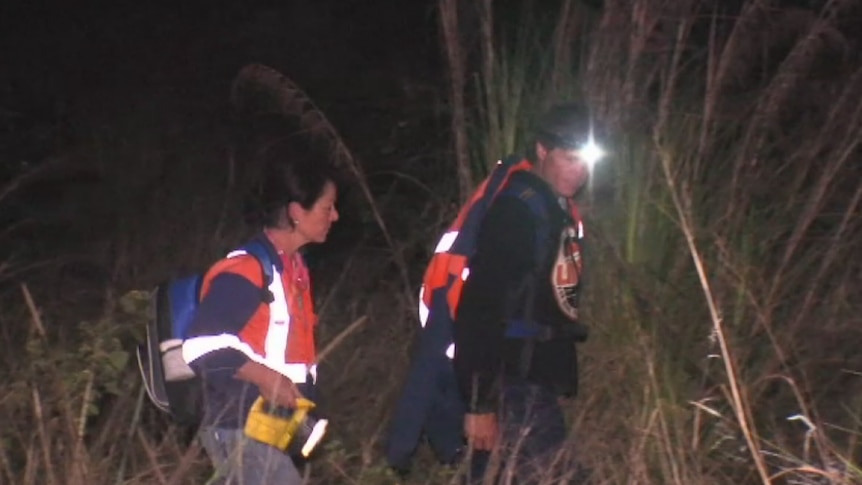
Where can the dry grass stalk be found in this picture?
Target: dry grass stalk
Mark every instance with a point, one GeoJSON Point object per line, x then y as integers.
{"type": "Point", "coordinates": [153, 458]}
{"type": "Point", "coordinates": [783, 84]}
{"type": "Point", "coordinates": [450, 27]}
{"type": "Point", "coordinates": [489, 71]}
{"type": "Point", "coordinates": [833, 478]}
{"type": "Point", "coordinates": [741, 410]}
{"type": "Point", "coordinates": [835, 248]}
{"type": "Point", "coordinates": [724, 60]}
{"type": "Point", "coordinates": [562, 41]}
{"type": "Point", "coordinates": [31, 469]}
{"type": "Point", "coordinates": [335, 342]}
{"type": "Point", "coordinates": [80, 472]}
{"type": "Point", "coordinates": [818, 197]}
{"type": "Point", "coordinates": [669, 456]}
{"type": "Point", "coordinates": [188, 458]}
{"type": "Point", "coordinates": [35, 317]}
{"type": "Point", "coordinates": [44, 435]}
{"type": "Point", "coordinates": [684, 211]}
{"type": "Point", "coordinates": [129, 435]}
{"type": "Point", "coordinates": [7, 466]}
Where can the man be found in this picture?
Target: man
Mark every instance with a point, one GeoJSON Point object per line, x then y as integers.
{"type": "Point", "coordinates": [517, 322]}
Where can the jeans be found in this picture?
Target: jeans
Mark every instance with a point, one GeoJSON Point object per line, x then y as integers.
{"type": "Point", "coordinates": [240, 460]}
{"type": "Point", "coordinates": [533, 436]}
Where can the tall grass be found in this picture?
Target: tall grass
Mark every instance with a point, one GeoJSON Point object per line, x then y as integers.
{"type": "Point", "coordinates": [744, 135]}
{"type": "Point", "coordinates": [517, 69]}
{"type": "Point", "coordinates": [723, 234]}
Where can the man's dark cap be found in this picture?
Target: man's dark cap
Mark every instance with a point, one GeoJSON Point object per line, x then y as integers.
{"type": "Point", "coordinates": [564, 125]}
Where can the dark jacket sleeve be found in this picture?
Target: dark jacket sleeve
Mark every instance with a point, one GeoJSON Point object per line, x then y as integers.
{"type": "Point", "coordinates": [504, 257]}
{"type": "Point", "coordinates": [226, 308]}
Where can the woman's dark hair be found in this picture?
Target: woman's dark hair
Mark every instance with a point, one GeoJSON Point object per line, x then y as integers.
{"type": "Point", "coordinates": [293, 168]}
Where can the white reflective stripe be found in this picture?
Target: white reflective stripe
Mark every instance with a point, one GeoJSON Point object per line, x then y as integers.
{"type": "Point", "coordinates": [278, 331]}
{"type": "Point", "coordinates": [275, 345]}
{"type": "Point", "coordinates": [446, 241]}
{"type": "Point", "coordinates": [450, 351]}
{"type": "Point", "coordinates": [580, 230]}
{"type": "Point", "coordinates": [465, 273]}
{"type": "Point", "coordinates": [196, 347]}
{"type": "Point", "coordinates": [423, 308]}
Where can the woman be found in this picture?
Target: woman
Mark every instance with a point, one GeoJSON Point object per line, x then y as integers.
{"type": "Point", "coordinates": [243, 342]}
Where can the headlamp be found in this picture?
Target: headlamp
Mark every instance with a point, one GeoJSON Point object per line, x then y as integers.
{"type": "Point", "coordinates": [591, 152]}
{"type": "Point", "coordinates": [588, 150]}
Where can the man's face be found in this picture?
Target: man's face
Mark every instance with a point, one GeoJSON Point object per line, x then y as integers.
{"type": "Point", "coordinates": [562, 169]}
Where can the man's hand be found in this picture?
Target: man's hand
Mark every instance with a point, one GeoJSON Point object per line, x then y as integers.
{"type": "Point", "coordinates": [481, 430]}
{"type": "Point", "coordinates": [274, 387]}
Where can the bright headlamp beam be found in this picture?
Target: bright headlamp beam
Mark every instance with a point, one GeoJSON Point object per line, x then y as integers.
{"type": "Point", "coordinates": [590, 152]}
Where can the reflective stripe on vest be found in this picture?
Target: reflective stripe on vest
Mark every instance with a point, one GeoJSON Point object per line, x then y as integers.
{"type": "Point", "coordinates": [448, 269]}
{"type": "Point", "coordinates": [275, 346]}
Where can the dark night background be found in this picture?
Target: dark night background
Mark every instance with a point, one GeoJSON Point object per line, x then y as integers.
{"type": "Point", "coordinates": [94, 58]}
{"type": "Point", "coordinates": [66, 68]}
{"type": "Point", "coordinates": [151, 81]}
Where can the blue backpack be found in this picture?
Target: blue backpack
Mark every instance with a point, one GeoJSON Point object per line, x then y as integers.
{"type": "Point", "coordinates": [169, 381]}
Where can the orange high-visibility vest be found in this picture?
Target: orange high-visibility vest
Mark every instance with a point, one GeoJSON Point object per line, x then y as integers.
{"type": "Point", "coordinates": [448, 268]}
{"type": "Point", "coordinates": [280, 334]}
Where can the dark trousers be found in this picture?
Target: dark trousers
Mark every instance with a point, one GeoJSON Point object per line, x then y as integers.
{"type": "Point", "coordinates": [533, 436]}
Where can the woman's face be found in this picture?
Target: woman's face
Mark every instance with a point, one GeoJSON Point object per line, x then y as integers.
{"type": "Point", "coordinates": [314, 224]}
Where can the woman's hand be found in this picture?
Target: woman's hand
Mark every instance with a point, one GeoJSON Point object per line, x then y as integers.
{"type": "Point", "coordinates": [274, 387]}
{"type": "Point", "coordinates": [281, 391]}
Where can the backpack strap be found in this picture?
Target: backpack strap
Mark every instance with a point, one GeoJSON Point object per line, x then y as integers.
{"type": "Point", "coordinates": [498, 177]}
{"type": "Point", "coordinates": [260, 252]}
{"type": "Point", "coordinates": [538, 206]}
